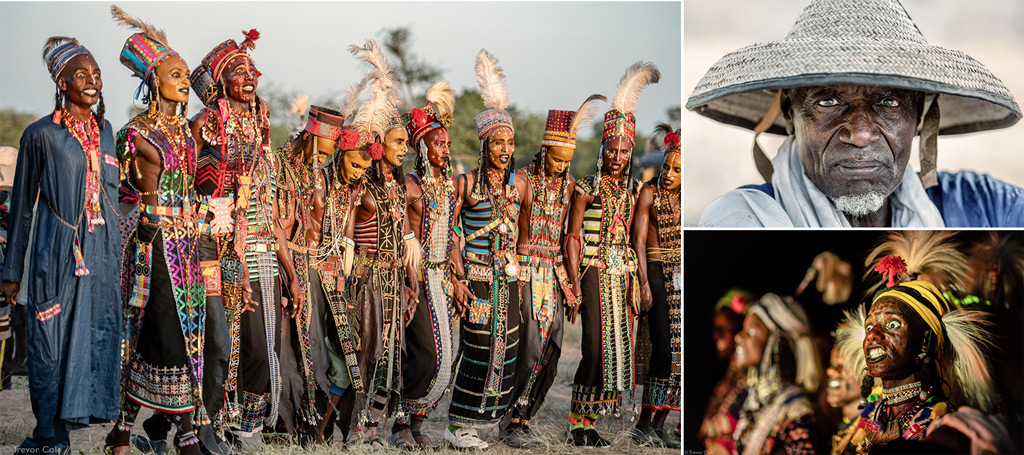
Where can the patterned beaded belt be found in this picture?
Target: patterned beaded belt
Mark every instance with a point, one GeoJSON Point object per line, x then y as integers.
{"type": "Point", "coordinates": [298, 248]}
{"type": "Point", "coordinates": [261, 247]}
{"type": "Point", "coordinates": [166, 211]}
{"type": "Point", "coordinates": [434, 265]}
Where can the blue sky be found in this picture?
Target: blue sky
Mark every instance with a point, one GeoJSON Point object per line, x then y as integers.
{"type": "Point", "coordinates": [554, 54]}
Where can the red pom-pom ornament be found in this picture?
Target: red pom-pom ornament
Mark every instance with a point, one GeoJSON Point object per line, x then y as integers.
{"type": "Point", "coordinates": [250, 39]}
{"type": "Point", "coordinates": [348, 140]}
{"type": "Point", "coordinates": [739, 303]}
{"type": "Point", "coordinates": [672, 140]}
{"type": "Point", "coordinates": [891, 267]}
{"type": "Point", "coordinates": [376, 151]}
{"type": "Point", "coordinates": [419, 118]}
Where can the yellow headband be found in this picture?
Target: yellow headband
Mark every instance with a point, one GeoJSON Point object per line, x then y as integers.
{"type": "Point", "coordinates": [927, 291]}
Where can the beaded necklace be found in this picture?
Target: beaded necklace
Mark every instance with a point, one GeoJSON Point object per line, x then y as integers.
{"type": "Point", "coordinates": [550, 199]}
{"type": "Point", "coordinates": [615, 210]}
{"type": "Point", "coordinates": [669, 240]}
{"type": "Point", "coordinates": [87, 134]}
{"type": "Point", "coordinates": [182, 149]}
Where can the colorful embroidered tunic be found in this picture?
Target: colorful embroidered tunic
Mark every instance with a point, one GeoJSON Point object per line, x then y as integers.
{"type": "Point", "coordinates": [161, 280]}
{"type": "Point", "coordinates": [544, 285]}
{"type": "Point", "coordinates": [74, 322]}
{"type": "Point", "coordinates": [380, 300]}
{"type": "Point", "coordinates": [784, 422]}
{"type": "Point", "coordinates": [607, 268]}
{"type": "Point", "coordinates": [237, 164]}
{"type": "Point", "coordinates": [430, 337]}
{"type": "Point", "coordinates": [490, 334]}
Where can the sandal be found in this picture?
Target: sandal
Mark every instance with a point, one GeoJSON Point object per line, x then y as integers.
{"type": "Point", "coordinates": [403, 440]}
{"type": "Point", "coordinates": [117, 442]}
{"type": "Point", "coordinates": [424, 442]}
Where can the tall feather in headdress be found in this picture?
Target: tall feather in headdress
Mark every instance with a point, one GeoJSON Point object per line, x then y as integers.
{"type": "Point", "coordinates": [492, 81]}
{"type": "Point", "coordinates": [351, 96]}
{"type": "Point", "coordinates": [372, 115]}
{"type": "Point", "coordinates": [933, 253]}
{"type": "Point", "coordinates": [123, 19]}
{"type": "Point", "coordinates": [638, 76]}
{"type": "Point", "coordinates": [964, 364]}
{"type": "Point", "coordinates": [442, 98]}
{"type": "Point", "coordinates": [586, 113]}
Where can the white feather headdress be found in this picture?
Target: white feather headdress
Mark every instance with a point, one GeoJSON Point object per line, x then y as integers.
{"type": "Point", "coordinates": [638, 76]}
{"type": "Point", "coordinates": [491, 79]}
{"type": "Point", "coordinates": [934, 253]}
{"type": "Point", "coordinates": [373, 114]}
{"type": "Point", "coordinates": [586, 113]}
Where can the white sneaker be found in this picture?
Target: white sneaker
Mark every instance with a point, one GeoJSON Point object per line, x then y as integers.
{"type": "Point", "coordinates": [464, 439]}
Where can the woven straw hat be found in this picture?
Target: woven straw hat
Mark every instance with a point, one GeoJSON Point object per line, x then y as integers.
{"type": "Point", "coordinates": [875, 43]}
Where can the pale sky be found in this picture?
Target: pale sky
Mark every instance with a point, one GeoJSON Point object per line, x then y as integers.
{"type": "Point", "coordinates": [554, 54]}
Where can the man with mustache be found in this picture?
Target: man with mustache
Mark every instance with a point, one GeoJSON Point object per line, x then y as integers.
{"type": "Point", "coordinates": [602, 210]}
{"type": "Point", "coordinates": [238, 176]}
{"type": "Point", "coordinates": [657, 238]}
{"type": "Point", "coordinates": [72, 328]}
{"type": "Point", "coordinates": [301, 205]}
{"type": "Point", "coordinates": [489, 200]}
{"type": "Point", "coordinates": [850, 120]}
{"type": "Point", "coordinates": [161, 280]}
{"type": "Point", "coordinates": [542, 274]}
{"type": "Point", "coordinates": [429, 352]}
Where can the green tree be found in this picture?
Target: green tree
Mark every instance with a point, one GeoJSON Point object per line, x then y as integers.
{"type": "Point", "coordinates": [413, 72]}
{"type": "Point", "coordinates": [12, 123]}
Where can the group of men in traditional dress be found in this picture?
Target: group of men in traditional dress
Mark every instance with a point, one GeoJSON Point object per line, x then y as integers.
{"type": "Point", "coordinates": [285, 292]}
{"type": "Point", "coordinates": [912, 369]}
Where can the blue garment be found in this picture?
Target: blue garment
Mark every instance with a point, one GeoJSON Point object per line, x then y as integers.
{"type": "Point", "coordinates": [73, 324]}
{"type": "Point", "coordinates": [966, 199]}
{"type": "Point", "coordinates": [970, 199]}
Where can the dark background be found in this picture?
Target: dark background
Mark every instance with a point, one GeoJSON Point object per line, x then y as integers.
{"type": "Point", "coordinates": [775, 261]}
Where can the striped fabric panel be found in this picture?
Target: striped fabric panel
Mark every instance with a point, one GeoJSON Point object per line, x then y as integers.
{"type": "Point", "coordinates": [365, 234]}
{"type": "Point", "coordinates": [592, 228]}
{"type": "Point", "coordinates": [474, 219]}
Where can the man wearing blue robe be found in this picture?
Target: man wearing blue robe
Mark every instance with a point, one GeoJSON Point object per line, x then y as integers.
{"type": "Point", "coordinates": [73, 314]}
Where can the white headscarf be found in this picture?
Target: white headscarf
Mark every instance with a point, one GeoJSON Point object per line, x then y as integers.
{"type": "Point", "coordinates": [783, 314]}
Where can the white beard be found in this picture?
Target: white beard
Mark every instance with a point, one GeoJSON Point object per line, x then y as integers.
{"type": "Point", "coordinates": [860, 204]}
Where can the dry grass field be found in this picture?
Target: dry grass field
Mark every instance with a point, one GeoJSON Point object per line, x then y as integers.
{"type": "Point", "coordinates": [16, 421]}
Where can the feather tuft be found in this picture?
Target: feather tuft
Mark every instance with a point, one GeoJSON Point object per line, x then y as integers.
{"type": "Point", "coordinates": [351, 95]}
{"type": "Point", "coordinates": [123, 19]}
{"type": "Point", "coordinates": [638, 75]}
{"type": "Point", "coordinates": [585, 114]}
{"type": "Point", "coordinates": [442, 98]}
{"type": "Point", "coordinates": [932, 253]}
{"type": "Point", "coordinates": [491, 79]}
{"type": "Point", "coordinates": [850, 342]}
{"type": "Point", "coordinates": [964, 361]}
{"type": "Point", "coordinates": [372, 115]}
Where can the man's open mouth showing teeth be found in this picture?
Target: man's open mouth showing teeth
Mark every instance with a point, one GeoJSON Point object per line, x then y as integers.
{"type": "Point", "coordinates": [503, 158]}
{"type": "Point", "coordinates": [90, 92]}
{"type": "Point", "coordinates": [875, 353]}
{"type": "Point", "coordinates": [248, 88]}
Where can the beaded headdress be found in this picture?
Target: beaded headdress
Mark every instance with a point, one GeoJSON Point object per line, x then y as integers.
{"type": "Point", "coordinates": [562, 126]}
{"type": "Point", "coordinates": [144, 50]}
{"type": "Point", "coordinates": [436, 114]}
{"type": "Point", "coordinates": [620, 121]}
{"type": "Point", "coordinates": [324, 122]}
{"type": "Point", "coordinates": [932, 253]}
{"type": "Point", "coordinates": [491, 79]}
{"type": "Point", "coordinates": [58, 51]}
{"type": "Point", "coordinates": [205, 76]}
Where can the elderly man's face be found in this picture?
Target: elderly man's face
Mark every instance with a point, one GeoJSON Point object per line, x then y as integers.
{"type": "Point", "coordinates": [854, 140]}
